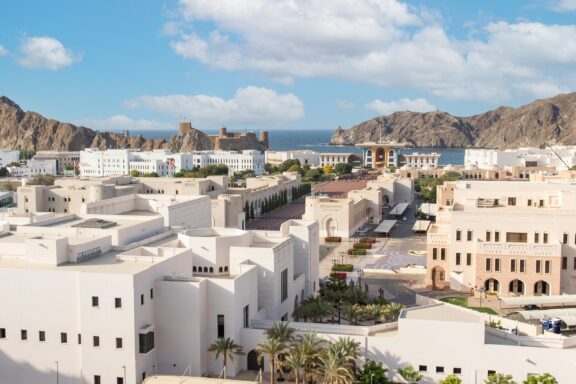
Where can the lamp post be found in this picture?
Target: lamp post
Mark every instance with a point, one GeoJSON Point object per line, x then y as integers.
{"type": "Point", "coordinates": [360, 276]}
{"type": "Point", "coordinates": [57, 373]}
{"type": "Point", "coordinates": [124, 376]}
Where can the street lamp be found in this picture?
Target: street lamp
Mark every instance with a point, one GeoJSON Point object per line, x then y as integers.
{"type": "Point", "coordinates": [371, 377]}
{"type": "Point", "coordinates": [360, 276]}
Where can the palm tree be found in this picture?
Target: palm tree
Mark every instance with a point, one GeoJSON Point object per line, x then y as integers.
{"type": "Point", "coordinates": [283, 332]}
{"type": "Point", "coordinates": [272, 348]}
{"type": "Point", "coordinates": [228, 349]}
{"type": "Point", "coordinates": [321, 309]}
{"type": "Point", "coordinates": [409, 374]}
{"type": "Point", "coordinates": [394, 310]}
{"type": "Point", "coordinates": [347, 350]}
{"type": "Point", "coordinates": [295, 361]}
{"type": "Point", "coordinates": [331, 371]}
{"type": "Point", "coordinates": [311, 347]}
{"type": "Point", "coordinates": [376, 311]}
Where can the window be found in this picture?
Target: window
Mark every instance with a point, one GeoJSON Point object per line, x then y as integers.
{"type": "Point", "coordinates": [118, 302]}
{"type": "Point", "coordinates": [516, 237]}
{"type": "Point", "coordinates": [547, 266]}
{"type": "Point", "coordinates": [434, 253]}
{"type": "Point", "coordinates": [512, 265]}
{"type": "Point", "coordinates": [565, 239]}
{"type": "Point", "coordinates": [491, 372]}
{"type": "Point", "coordinates": [118, 342]}
{"type": "Point", "coordinates": [151, 293]}
{"type": "Point", "coordinates": [469, 235]}
{"type": "Point", "coordinates": [284, 285]}
{"type": "Point", "coordinates": [146, 342]}
{"type": "Point", "coordinates": [468, 259]}
{"type": "Point", "coordinates": [457, 371]}
{"type": "Point", "coordinates": [541, 203]}
{"type": "Point", "coordinates": [457, 258]}
{"type": "Point", "coordinates": [488, 264]}
{"type": "Point", "coordinates": [94, 301]}
{"type": "Point", "coordinates": [2, 333]}
{"type": "Point", "coordinates": [488, 236]}
{"type": "Point", "coordinates": [422, 368]}
{"type": "Point", "coordinates": [79, 339]}
{"type": "Point", "coordinates": [512, 201]}
{"type": "Point", "coordinates": [442, 253]}
{"type": "Point", "coordinates": [522, 266]}
{"type": "Point", "coordinates": [96, 341]}
{"type": "Point", "coordinates": [439, 369]}
{"type": "Point", "coordinates": [536, 237]}
{"type": "Point", "coordinates": [497, 236]}
{"type": "Point", "coordinates": [497, 265]}
{"type": "Point", "coordinates": [564, 262]}
{"type": "Point", "coordinates": [142, 299]}
{"type": "Point", "coordinates": [246, 316]}
{"type": "Point", "coordinates": [96, 379]}
{"type": "Point", "coordinates": [220, 324]}
{"type": "Point", "coordinates": [119, 380]}
{"type": "Point", "coordinates": [529, 202]}
{"type": "Point", "coordinates": [545, 238]}
{"type": "Point", "coordinates": [63, 337]}
{"type": "Point", "coordinates": [458, 235]}
{"type": "Point", "coordinates": [24, 334]}
{"type": "Point", "coordinates": [538, 266]}
{"type": "Point", "coordinates": [41, 336]}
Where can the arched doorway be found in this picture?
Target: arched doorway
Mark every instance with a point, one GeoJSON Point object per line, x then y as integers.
{"type": "Point", "coordinates": [438, 277]}
{"type": "Point", "coordinates": [252, 361]}
{"type": "Point", "coordinates": [492, 285]}
{"type": "Point", "coordinates": [541, 288]}
{"type": "Point", "coordinates": [370, 214]}
{"type": "Point", "coordinates": [391, 157]}
{"type": "Point", "coordinates": [331, 227]}
{"type": "Point", "coordinates": [379, 155]}
{"type": "Point", "coordinates": [516, 287]}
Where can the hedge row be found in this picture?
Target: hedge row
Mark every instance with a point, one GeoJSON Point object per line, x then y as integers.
{"type": "Point", "coordinates": [333, 239]}
{"type": "Point", "coordinates": [342, 268]}
{"type": "Point", "coordinates": [369, 240]}
{"type": "Point", "coordinates": [362, 246]}
{"type": "Point", "coordinates": [357, 252]}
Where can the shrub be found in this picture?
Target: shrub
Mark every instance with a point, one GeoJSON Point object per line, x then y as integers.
{"type": "Point", "coordinates": [333, 239]}
{"type": "Point", "coordinates": [342, 268]}
{"type": "Point", "coordinates": [357, 252]}
{"type": "Point", "coordinates": [362, 246]}
{"type": "Point", "coordinates": [339, 275]}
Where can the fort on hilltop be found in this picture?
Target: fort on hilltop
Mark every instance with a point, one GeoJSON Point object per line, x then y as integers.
{"type": "Point", "coordinates": [232, 141]}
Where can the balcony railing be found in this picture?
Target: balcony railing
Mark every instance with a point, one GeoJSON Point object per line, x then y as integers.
{"type": "Point", "coordinates": [515, 249]}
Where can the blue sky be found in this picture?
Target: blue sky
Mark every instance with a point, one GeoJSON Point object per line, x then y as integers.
{"type": "Point", "coordinates": [274, 64]}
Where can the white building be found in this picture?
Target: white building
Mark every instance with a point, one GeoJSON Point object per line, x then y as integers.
{"type": "Point", "coordinates": [304, 157]}
{"type": "Point", "coordinates": [334, 158]}
{"type": "Point", "coordinates": [63, 158]}
{"type": "Point", "coordinates": [34, 167]}
{"type": "Point", "coordinates": [421, 160]}
{"type": "Point", "coordinates": [8, 156]}
{"type": "Point", "coordinates": [162, 162]}
{"type": "Point", "coordinates": [559, 157]}
{"type": "Point", "coordinates": [235, 161]}
{"type": "Point", "coordinates": [94, 162]}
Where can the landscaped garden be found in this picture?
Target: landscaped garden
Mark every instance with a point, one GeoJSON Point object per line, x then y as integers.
{"type": "Point", "coordinates": [463, 302]}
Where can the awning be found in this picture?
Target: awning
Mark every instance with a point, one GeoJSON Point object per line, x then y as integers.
{"type": "Point", "coordinates": [428, 209]}
{"type": "Point", "coordinates": [421, 225]}
{"type": "Point", "coordinates": [538, 300]}
{"type": "Point", "coordinates": [399, 209]}
{"type": "Point", "coordinates": [385, 226]}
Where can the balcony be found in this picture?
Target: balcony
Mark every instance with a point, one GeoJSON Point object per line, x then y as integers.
{"type": "Point", "coordinates": [516, 249]}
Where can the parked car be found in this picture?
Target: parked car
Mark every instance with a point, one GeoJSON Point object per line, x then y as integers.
{"type": "Point", "coordinates": [530, 307]}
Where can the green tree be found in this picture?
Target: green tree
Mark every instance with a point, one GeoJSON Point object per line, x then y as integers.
{"type": "Point", "coordinates": [544, 378]}
{"type": "Point", "coordinates": [135, 173]}
{"type": "Point", "coordinates": [295, 362]}
{"type": "Point", "coordinates": [409, 374]}
{"type": "Point", "coordinates": [227, 348]}
{"type": "Point", "coordinates": [311, 347]}
{"type": "Point", "coordinates": [451, 379]}
{"type": "Point", "coordinates": [14, 164]}
{"type": "Point", "coordinates": [3, 172]}
{"type": "Point", "coordinates": [498, 378]}
{"type": "Point", "coordinates": [295, 168]}
{"type": "Point", "coordinates": [272, 348]}
{"type": "Point", "coordinates": [41, 180]}
{"type": "Point", "coordinates": [282, 331]}
{"type": "Point", "coordinates": [331, 371]}
{"type": "Point", "coordinates": [69, 167]}
{"type": "Point", "coordinates": [372, 372]}
{"type": "Point", "coordinates": [347, 350]}
{"type": "Point", "coordinates": [343, 168]}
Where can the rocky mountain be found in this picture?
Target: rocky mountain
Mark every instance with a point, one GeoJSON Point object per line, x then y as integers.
{"type": "Point", "coordinates": [33, 132]}
{"type": "Point", "coordinates": [541, 123]}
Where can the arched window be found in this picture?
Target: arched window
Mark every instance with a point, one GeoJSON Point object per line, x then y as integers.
{"type": "Point", "coordinates": [205, 269]}
{"type": "Point", "coordinates": [226, 269]}
{"type": "Point", "coordinates": [193, 269]}
{"type": "Point", "coordinates": [211, 270]}
{"type": "Point", "coordinates": [220, 270]}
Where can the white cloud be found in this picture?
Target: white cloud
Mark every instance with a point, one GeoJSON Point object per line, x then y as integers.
{"type": "Point", "coordinates": [43, 52]}
{"type": "Point", "coordinates": [345, 104]}
{"type": "Point", "coordinates": [413, 105]}
{"type": "Point", "coordinates": [564, 5]}
{"type": "Point", "coordinates": [384, 42]}
{"type": "Point", "coordinates": [3, 51]}
{"type": "Point", "coordinates": [121, 122]}
{"type": "Point", "coordinates": [250, 105]}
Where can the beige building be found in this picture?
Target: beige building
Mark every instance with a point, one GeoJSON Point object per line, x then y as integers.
{"type": "Point", "coordinates": [63, 158]}
{"type": "Point", "coordinates": [505, 173]}
{"type": "Point", "coordinates": [506, 238]}
{"type": "Point", "coordinates": [343, 217]}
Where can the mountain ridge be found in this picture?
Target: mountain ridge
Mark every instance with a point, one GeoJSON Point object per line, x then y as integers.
{"type": "Point", "coordinates": [543, 122]}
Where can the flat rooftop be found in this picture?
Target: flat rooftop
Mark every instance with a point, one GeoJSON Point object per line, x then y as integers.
{"type": "Point", "coordinates": [441, 312]}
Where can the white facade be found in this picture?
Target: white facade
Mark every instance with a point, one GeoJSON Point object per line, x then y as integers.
{"type": "Point", "coordinates": [333, 158]}
{"type": "Point", "coordinates": [235, 161]}
{"type": "Point", "coordinates": [94, 162]}
{"type": "Point", "coordinates": [35, 167]}
{"type": "Point", "coordinates": [163, 162]}
{"type": "Point", "coordinates": [305, 157]}
{"type": "Point", "coordinates": [559, 157]}
{"type": "Point", "coordinates": [421, 160]}
{"type": "Point", "coordinates": [8, 156]}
